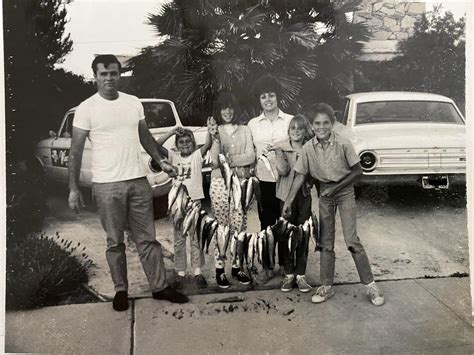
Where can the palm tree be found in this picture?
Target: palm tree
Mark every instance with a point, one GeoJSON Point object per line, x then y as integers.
{"type": "Point", "coordinates": [214, 45]}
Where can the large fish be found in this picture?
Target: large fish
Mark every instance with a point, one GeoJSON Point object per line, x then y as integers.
{"type": "Point", "coordinates": [243, 187]}
{"type": "Point", "coordinates": [251, 251]}
{"type": "Point", "coordinates": [200, 218]}
{"type": "Point", "coordinates": [257, 193]}
{"type": "Point", "coordinates": [212, 231]}
{"type": "Point", "coordinates": [248, 195]}
{"type": "Point", "coordinates": [236, 192]}
{"type": "Point", "coordinates": [261, 236]}
{"type": "Point", "coordinates": [240, 247]}
{"type": "Point", "coordinates": [180, 201]}
{"type": "Point", "coordinates": [233, 248]}
{"type": "Point", "coordinates": [227, 240]}
{"type": "Point", "coordinates": [173, 194]}
{"type": "Point", "coordinates": [206, 226]}
{"type": "Point", "coordinates": [226, 171]}
{"type": "Point", "coordinates": [190, 221]}
{"type": "Point", "coordinates": [270, 248]}
{"type": "Point", "coordinates": [221, 241]}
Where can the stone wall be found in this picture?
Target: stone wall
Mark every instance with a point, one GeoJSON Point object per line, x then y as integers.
{"type": "Point", "coordinates": [388, 21]}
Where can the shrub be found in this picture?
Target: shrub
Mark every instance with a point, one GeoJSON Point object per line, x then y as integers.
{"type": "Point", "coordinates": [42, 269]}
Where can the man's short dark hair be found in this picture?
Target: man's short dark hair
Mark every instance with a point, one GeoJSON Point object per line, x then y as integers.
{"type": "Point", "coordinates": [267, 83]}
{"type": "Point", "coordinates": [105, 59]}
{"type": "Point", "coordinates": [319, 108]}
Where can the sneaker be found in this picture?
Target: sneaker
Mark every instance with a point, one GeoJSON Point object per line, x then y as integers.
{"type": "Point", "coordinates": [170, 294]}
{"type": "Point", "coordinates": [200, 281]}
{"type": "Point", "coordinates": [241, 276]}
{"type": "Point", "coordinates": [287, 284]}
{"type": "Point", "coordinates": [375, 295]}
{"type": "Point", "coordinates": [322, 294]}
{"type": "Point", "coordinates": [120, 302]}
{"type": "Point", "coordinates": [221, 280]}
{"type": "Point", "coordinates": [303, 286]}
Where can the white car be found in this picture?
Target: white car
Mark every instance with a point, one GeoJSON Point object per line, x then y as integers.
{"type": "Point", "coordinates": [406, 138]}
{"type": "Point", "coordinates": [160, 115]}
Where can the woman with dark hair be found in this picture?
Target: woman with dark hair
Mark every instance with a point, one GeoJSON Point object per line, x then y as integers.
{"type": "Point", "coordinates": [234, 141]}
{"type": "Point", "coordinates": [268, 129]}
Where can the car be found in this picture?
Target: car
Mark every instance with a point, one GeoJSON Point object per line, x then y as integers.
{"type": "Point", "coordinates": [406, 138]}
{"type": "Point", "coordinates": [161, 115]}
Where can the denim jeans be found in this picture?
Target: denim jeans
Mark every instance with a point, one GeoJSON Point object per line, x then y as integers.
{"type": "Point", "coordinates": [130, 203]}
{"type": "Point", "coordinates": [344, 200]}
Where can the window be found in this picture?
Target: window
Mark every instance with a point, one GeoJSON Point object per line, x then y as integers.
{"type": "Point", "coordinates": [345, 114]}
{"type": "Point", "coordinates": [407, 111]}
{"type": "Point", "coordinates": [66, 129]}
{"type": "Point", "coordinates": [159, 114]}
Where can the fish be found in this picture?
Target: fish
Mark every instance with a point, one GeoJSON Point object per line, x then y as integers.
{"type": "Point", "coordinates": [306, 237]}
{"type": "Point", "coordinates": [248, 195]}
{"type": "Point", "coordinates": [251, 250]}
{"type": "Point", "coordinates": [236, 192]}
{"type": "Point", "coordinates": [190, 220]}
{"type": "Point", "coordinates": [227, 239]}
{"type": "Point", "coordinates": [233, 248]}
{"type": "Point", "coordinates": [271, 247]}
{"type": "Point", "coordinates": [240, 247]}
{"type": "Point", "coordinates": [257, 193]}
{"type": "Point", "coordinates": [212, 231]}
{"type": "Point", "coordinates": [200, 218]}
{"type": "Point", "coordinates": [178, 215]}
{"type": "Point", "coordinates": [246, 248]}
{"type": "Point", "coordinates": [173, 194]}
{"type": "Point", "coordinates": [243, 188]}
{"type": "Point", "coordinates": [206, 225]}
{"type": "Point", "coordinates": [267, 164]}
{"type": "Point", "coordinates": [221, 241]}
{"type": "Point", "coordinates": [279, 228]}
{"type": "Point", "coordinates": [261, 235]}
{"type": "Point", "coordinates": [226, 171]}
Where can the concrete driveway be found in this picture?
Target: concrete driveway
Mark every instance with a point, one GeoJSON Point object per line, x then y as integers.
{"type": "Point", "coordinates": [413, 234]}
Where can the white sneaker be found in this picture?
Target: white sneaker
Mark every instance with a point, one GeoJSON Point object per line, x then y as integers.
{"type": "Point", "coordinates": [287, 284]}
{"type": "Point", "coordinates": [303, 286]}
{"type": "Point", "coordinates": [322, 294]}
{"type": "Point", "coordinates": [375, 295]}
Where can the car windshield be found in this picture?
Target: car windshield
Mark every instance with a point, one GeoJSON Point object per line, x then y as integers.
{"type": "Point", "coordinates": [407, 111]}
{"type": "Point", "coordinates": [159, 114]}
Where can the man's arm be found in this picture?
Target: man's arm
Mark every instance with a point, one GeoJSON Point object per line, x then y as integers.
{"type": "Point", "coordinates": [153, 149]}
{"type": "Point", "coordinates": [295, 187]}
{"type": "Point", "coordinates": [78, 141]}
{"type": "Point", "coordinates": [355, 174]}
{"type": "Point", "coordinates": [207, 145]}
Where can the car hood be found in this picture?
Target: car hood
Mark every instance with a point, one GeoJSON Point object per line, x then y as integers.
{"type": "Point", "coordinates": [379, 136]}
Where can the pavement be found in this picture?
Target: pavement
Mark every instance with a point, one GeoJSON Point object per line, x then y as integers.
{"type": "Point", "coordinates": [420, 316]}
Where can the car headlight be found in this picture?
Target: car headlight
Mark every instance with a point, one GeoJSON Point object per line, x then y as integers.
{"type": "Point", "coordinates": [368, 160]}
{"type": "Point", "coordinates": [154, 166]}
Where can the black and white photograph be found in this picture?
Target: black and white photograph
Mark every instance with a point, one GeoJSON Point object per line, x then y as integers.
{"type": "Point", "coordinates": [237, 177]}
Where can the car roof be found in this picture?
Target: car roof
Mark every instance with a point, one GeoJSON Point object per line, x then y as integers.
{"type": "Point", "coordinates": [72, 109]}
{"type": "Point", "coordinates": [396, 96]}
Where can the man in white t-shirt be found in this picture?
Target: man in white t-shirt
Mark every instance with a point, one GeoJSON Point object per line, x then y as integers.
{"type": "Point", "coordinates": [116, 127]}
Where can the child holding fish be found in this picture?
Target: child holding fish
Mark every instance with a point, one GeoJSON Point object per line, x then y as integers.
{"type": "Point", "coordinates": [232, 156]}
{"type": "Point", "coordinates": [286, 155]}
{"type": "Point", "coordinates": [188, 161]}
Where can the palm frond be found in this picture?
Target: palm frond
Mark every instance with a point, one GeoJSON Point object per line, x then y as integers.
{"type": "Point", "coordinates": [302, 34]}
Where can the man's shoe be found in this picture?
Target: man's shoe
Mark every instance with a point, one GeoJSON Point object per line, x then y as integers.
{"type": "Point", "coordinates": [375, 295]}
{"type": "Point", "coordinates": [241, 276]}
{"type": "Point", "coordinates": [288, 282]}
{"type": "Point", "coordinates": [322, 294]}
{"type": "Point", "coordinates": [179, 282]}
{"type": "Point", "coordinates": [170, 294]}
{"type": "Point", "coordinates": [120, 302]}
{"type": "Point", "coordinates": [221, 280]}
{"type": "Point", "coordinates": [200, 281]}
{"type": "Point", "coordinates": [303, 286]}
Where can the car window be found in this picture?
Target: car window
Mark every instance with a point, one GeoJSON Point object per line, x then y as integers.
{"type": "Point", "coordinates": [66, 129]}
{"type": "Point", "coordinates": [159, 114]}
{"type": "Point", "coordinates": [407, 111]}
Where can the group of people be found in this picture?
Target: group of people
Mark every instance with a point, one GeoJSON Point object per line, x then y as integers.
{"type": "Point", "coordinates": [287, 154]}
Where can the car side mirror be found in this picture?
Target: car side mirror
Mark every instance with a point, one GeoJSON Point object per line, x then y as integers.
{"type": "Point", "coordinates": [52, 134]}
{"type": "Point", "coordinates": [338, 115]}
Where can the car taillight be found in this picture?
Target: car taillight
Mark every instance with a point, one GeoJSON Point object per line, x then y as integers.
{"type": "Point", "coordinates": [368, 160]}
{"type": "Point", "coordinates": [154, 166]}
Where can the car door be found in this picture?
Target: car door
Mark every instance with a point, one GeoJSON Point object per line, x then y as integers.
{"type": "Point", "coordinates": [60, 149]}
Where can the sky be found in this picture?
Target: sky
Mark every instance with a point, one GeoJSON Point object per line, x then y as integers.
{"type": "Point", "coordinates": [119, 27]}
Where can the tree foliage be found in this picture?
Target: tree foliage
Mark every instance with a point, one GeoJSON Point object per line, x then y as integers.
{"type": "Point", "coordinates": [431, 60]}
{"type": "Point", "coordinates": [215, 45]}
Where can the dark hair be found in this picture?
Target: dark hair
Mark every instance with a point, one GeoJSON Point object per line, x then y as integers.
{"type": "Point", "coordinates": [319, 108]}
{"type": "Point", "coordinates": [105, 59]}
{"type": "Point", "coordinates": [267, 83]}
{"type": "Point", "coordinates": [224, 100]}
{"type": "Point", "coordinates": [302, 121]}
{"type": "Point", "coordinates": [186, 132]}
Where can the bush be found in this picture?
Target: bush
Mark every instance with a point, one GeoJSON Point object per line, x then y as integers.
{"type": "Point", "coordinates": [42, 269]}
